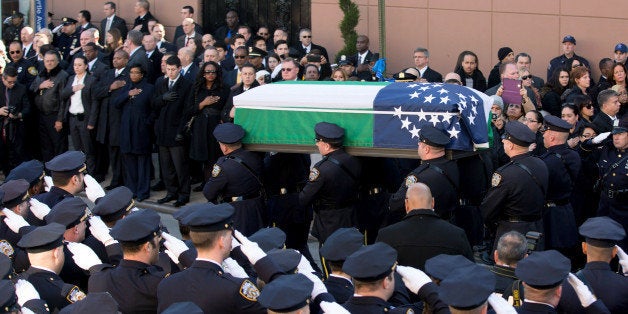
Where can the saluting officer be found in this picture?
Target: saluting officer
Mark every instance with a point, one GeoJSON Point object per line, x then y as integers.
{"type": "Point", "coordinates": [69, 38]}
{"type": "Point", "coordinates": [563, 165]}
{"type": "Point", "coordinates": [436, 171]}
{"type": "Point", "coordinates": [333, 183]}
{"type": "Point", "coordinates": [236, 179]}
{"type": "Point", "coordinates": [14, 199]}
{"type": "Point", "coordinates": [515, 200]}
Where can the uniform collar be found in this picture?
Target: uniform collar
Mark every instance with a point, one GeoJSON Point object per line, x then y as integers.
{"type": "Point", "coordinates": [421, 212]}
{"type": "Point", "coordinates": [597, 266]}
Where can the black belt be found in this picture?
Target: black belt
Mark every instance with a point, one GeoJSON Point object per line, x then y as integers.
{"type": "Point", "coordinates": [286, 190]}
{"type": "Point", "coordinates": [78, 116]}
{"type": "Point", "coordinates": [612, 193]}
{"type": "Point", "coordinates": [373, 190]}
{"type": "Point", "coordinates": [242, 197]}
{"type": "Point", "coordinates": [556, 203]}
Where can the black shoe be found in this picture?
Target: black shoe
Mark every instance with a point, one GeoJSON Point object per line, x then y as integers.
{"type": "Point", "coordinates": [143, 198]}
{"type": "Point", "coordinates": [167, 199]}
{"type": "Point", "coordinates": [159, 186]}
{"type": "Point", "coordinates": [111, 187]}
{"type": "Point", "coordinates": [180, 202]}
{"type": "Point", "coordinates": [199, 188]}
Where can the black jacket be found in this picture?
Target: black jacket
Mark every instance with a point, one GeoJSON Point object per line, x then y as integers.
{"type": "Point", "coordinates": [118, 23]}
{"type": "Point", "coordinates": [171, 115]}
{"type": "Point", "coordinates": [48, 100]}
{"type": "Point", "coordinates": [88, 97]}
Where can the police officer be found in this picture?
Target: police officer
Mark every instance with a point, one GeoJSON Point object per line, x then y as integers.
{"type": "Point", "coordinates": [333, 182]}
{"type": "Point", "coordinates": [69, 38]}
{"type": "Point", "coordinates": [15, 199]}
{"type": "Point", "coordinates": [68, 174]}
{"type": "Point", "coordinates": [436, 171]}
{"type": "Point", "coordinates": [26, 69]}
{"type": "Point", "coordinates": [287, 294]}
{"type": "Point", "coordinates": [33, 172]}
{"type": "Point", "coordinates": [95, 303]}
{"type": "Point", "coordinates": [340, 244]}
{"type": "Point", "coordinates": [467, 289]}
{"type": "Point", "coordinates": [45, 252]}
{"type": "Point", "coordinates": [211, 228]}
{"type": "Point", "coordinates": [515, 200]}
{"type": "Point", "coordinates": [236, 179]}
{"type": "Point", "coordinates": [601, 234]}
{"type": "Point", "coordinates": [563, 165]}
{"type": "Point", "coordinates": [11, 31]}
{"type": "Point", "coordinates": [114, 206]}
{"type": "Point", "coordinates": [133, 283]}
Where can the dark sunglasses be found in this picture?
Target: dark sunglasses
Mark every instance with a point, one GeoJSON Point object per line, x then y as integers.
{"type": "Point", "coordinates": [588, 106]}
{"type": "Point", "coordinates": [305, 36]}
{"type": "Point", "coordinates": [240, 57]}
{"type": "Point", "coordinates": [210, 72]}
{"type": "Point", "coordinates": [15, 52]}
{"type": "Point", "coordinates": [286, 69]}
{"type": "Point", "coordinates": [526, 77]}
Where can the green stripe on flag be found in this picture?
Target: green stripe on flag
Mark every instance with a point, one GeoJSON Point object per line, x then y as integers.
{"type": "Point", "coordinates": [297, 127]}
{"type": "Point", "coordinates": [332, 83]}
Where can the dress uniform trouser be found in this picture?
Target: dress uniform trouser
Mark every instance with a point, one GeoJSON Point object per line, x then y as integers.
{"type": "Point", "coordinates": [53, 143]}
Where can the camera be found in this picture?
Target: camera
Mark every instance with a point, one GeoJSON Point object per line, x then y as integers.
{"type": "Point", "coordinates": [12, 110]}
{"type": "Point", "coordinates": [493, 116]}
{"type": "Point", "coordinates": [267, 78]}
{"type": "Point", "coordinates": [534, 238]}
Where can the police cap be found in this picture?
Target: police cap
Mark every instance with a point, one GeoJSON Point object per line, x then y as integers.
{"type": "Point", "coordinates": [342, 243]}
{"type": "Point", "coordinates": [138, 227]}
{"type": "Point", "coordinates": [228, 133]}
{"type": "Point", "coordinates": [93, 303]}
{"type": "Point", "coordinates": [557, 124]}
{"type": "Point", "coordinates": [68, 21]}
{"type": "Point", "coordinates": [183, 307]}
{"type": "Point", "coordinates": [69, 212]}
{"type": "Point", "coordinates": [404, 77]}
{"type": "Point", "coordinates": [543, 270]}
{"type": "Point", "coordinates": [15, 192]}
{"type": "Point", "coordinates": [286, 260]}
{"type": "Point", "coordinates": [344, 61]}
{"type": "Point", "coordinates": [210, 218]}
{"type": "Point", "coordinates": [256, 52]}
{"type": "Point", "coordinates": [519, 134]}
{"type": "Point", "coordinates": [184, 211]}
{"type": "Point", "coordinates": [440, 266]}
{"type": "Point", "coordinates": [8, 298]}
{"type": "Point", "coordinates": [371, 262]}
{"type": "Point", "coordinates": [621, 127]}
{"type": "Point", "coordinates": [44, 238]}
{"type": "Point", "coordinates": [71, 161]}
{"type": "Point", "coordinates": [433, 137]}
{"type": "Point", "coordinates": [467, 288]}
{"type": "Point", "coordinates": [329, 132]}
{"type": "Point", "coordinates": [32, 171]}
{"type": "Point", "coordinates": [115, 204]}
{"type": "Point", "coordinates": [269, 238]}
{"type": "Point", "coordinates": [287, 293]}
{"type": "Point", "coordinates": [570, 39]}
{"type": "Point", "coordinates": [602, 231]}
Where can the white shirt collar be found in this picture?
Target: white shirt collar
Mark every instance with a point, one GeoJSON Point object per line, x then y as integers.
{"type": "Point", "coordinates": [186, 68]}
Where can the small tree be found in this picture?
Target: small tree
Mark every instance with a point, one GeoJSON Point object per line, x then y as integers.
{"type": "Point", "coordinates": [347, 27]}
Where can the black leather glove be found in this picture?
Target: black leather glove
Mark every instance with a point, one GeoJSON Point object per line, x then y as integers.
{"type": "Point", "coordinates": [178, 138]}
{"type": "Point", "coordinates": [170, 96]}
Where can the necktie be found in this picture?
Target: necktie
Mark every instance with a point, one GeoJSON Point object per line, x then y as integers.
{"type": "Point", "coordinates": [116, 73]}
{"type": "Point", "coordinates": [187, 41]}
{"type": "Point", "coordinates": [239, 78]}
{"type": "Point", "coordinates": [108, 27]}
{"type": "Point", "coordinates": [170, 85]}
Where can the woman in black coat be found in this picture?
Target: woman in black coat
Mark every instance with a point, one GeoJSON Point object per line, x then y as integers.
{"type": "Point", "coordinates": [135, 130]}
{"type": "Point", "coordinates": [210, 96]}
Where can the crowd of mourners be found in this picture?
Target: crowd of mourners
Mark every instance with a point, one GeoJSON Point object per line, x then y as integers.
{"type": "Point", "coordinates": [535, 223]}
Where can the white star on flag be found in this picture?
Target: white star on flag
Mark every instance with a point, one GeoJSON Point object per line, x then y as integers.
{"type": "Point", "coordinates": [422, 115]}
{"type": "Point", "coordinates": [398, 112]}
{"type": "Point", "coordinates": [463, 104]}
{"type": "Point", "coordinates": [471, 119]}
{"type": "Point", "coordinates": [475, 110]}
{"type": "Point", "coordinates": [424, 88]}
{"type": "Point", "coordinates": [443, 91]}
{"type": "Point", "coordinates": [414, 95]}
{"type": "Point", "coordinates": [415, 132]}
{"type": "Point", "coordinates": [474, 100]}
{"type": "Point", "coordinates": [444, 100]}
{"type": "Point", "coordinates": [453, 132]}
{"type": "Point", "coordinates": [462, 96]}
{"type": "Point", "coordinates": [429, 98]}
{"type": "Point", "coordinates": [434, 119]}
{"type": "Point", "coordinates": [405, 123]}
{"type": "Point", "coordinates": [413, 85]}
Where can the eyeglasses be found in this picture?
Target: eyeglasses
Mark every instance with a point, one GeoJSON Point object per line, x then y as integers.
{"type": "Point", "coordinates": [287, 69]}
{"type": "Point", "coordinates": [210, 72]}
{"type": "Point", "coordinates": [240, 57]}
{"type": "Point", "coordinates": [525, 77]}
{"type": "Point", "coordinates": [306, 36]}
{"type": "Point", "coordinates": [14, 52]}
{"type": "Point", "coordinates": [588, 106]}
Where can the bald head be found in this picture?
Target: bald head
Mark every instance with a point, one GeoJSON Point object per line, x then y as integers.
{"type": "Point", "coordinates": [419, 196]}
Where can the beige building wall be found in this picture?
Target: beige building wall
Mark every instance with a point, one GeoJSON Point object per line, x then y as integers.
{"type": "Point", "coordinates": [166, 11]}
{"type": "Point", "coordinates": [447, 27]}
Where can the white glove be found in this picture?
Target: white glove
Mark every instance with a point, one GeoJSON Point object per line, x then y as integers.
{"type": "Point", "coordinates": [173, 257]}
{"type": "Point", "coordinates": [25, 292]}
{"type": "Point", "coordinates": [14, 221]}
{"type": "Point", "coordinates": [7, 20]}
{"type": "Point", "coordinates": [319, 286]}
{"type": "Point", "coordinates": [93, 189]}
{"type": "Point", "coordinates": [174, 245]}
{"type": "Point", "coordinates": [304, 265]}
{"type": "Point", "coordinates": [232, 267]}
{"type": "Point", "coordinates": [234, 243]}
{"type": "Point", "coordinates": [83, 255]}
{"type": "Point", "coordinates": [333, 308]}
{"type": "Point", "coordinates": [57, 29]}
{"type": "Point", "coordinates": [249, 248]}
{"type": "Point", "coordinates": [583, 292]}
{"type": "Point", "coordinates": [500, 305]}
{"type": "Point", "coordinates": [48, 183]}
{"type": "Point", "coordinates": [39, 209]}
{"type": "Point", "coordinates": [413, 278]}
{"type": "Point", "coordinates": [100, 231]}
{"type": "Point", "coordinates": [623, 260]}
{"type": "Point", "coordinates": [600, 137]}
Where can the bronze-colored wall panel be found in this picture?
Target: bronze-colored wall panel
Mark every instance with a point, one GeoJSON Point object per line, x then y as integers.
{"type": "Point", "coordinates": [403, 38]}
{"type": "Point", "coordinates": [474, 5]}
{"type": "Point", "coordinates": [603, 9]}
{"type": "Point", "coordinates": [544, 7]}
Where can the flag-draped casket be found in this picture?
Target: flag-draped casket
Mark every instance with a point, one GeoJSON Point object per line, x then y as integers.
{"type": "Point", "coordinates": [380, 119]}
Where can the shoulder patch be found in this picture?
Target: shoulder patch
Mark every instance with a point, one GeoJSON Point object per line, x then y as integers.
{"type": "Point", "coordinates": [33, 71]}
{"type": "Point", "coordinates": [411, 179]}
{"type": "Point", "coordinates": [314, 173]}
{"type": "Point", "coordinates": [75, 295]}
{"type": "Point", "coordinates": [216, 170]}
{"type": "Point", "coordinates": [6, 248]}
{"type": "Point", "coordinates": [249, 291]}
{"type": "Point", "coordinates": [497, 178]}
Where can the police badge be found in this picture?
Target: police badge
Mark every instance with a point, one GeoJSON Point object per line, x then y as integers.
{"type": "Point", "coordinates": [314, 173]}
{"type": "Point", "coordinates": [216, 170]}
{"type": "Point", "coordinates": [75, 295]}
{"type": "Point", "coordinates": [497, 178]}
{"type": "Point", "coordinates": [249, 291]}
{"type": "Point", "coordinates": [411, 179]}
{"type": "Point", "coordinates": [33, 71]}
{"type": "Point", "coordinates": [6, 248]}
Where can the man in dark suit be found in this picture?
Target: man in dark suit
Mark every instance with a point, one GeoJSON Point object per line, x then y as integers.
{"type": "Point", "coordinates": [189, 33]}
{"type": "Point", "coordinates": [187, 12]}
{"type": "Point", "coordinates": [306, 46]}
{"type": "Point", "coordinates": [85, 20]}
{"type": "Point", "coordinates": [189, 68]}
{"type": "Point", "coordinates": [154, 57]}
{"type": "Point", "coordinates": [14, 106]}
{"type": "Point", "coordinates": [422, 234]}
{"type": "Point", "coordinates": [609, 107]}
{"type": "Point", "coordinates": [95, 65]}
{"type": "Point", "coordinates": [362, 60]}
{"type": "Point", "coordinates": [137, 54]}
{"type": "Point", "coordinates": [421, 60]}
{"type": "Point", "coordinates": [225, 32]}
{"type": "Point", "coordinates": [27, 34]}
{"type": "Point", "coordinates": [159, 32]}
{"type": "Point", "coordinates": [111, 21]}
{"type": "Point", "coordinates": [142, 9]}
